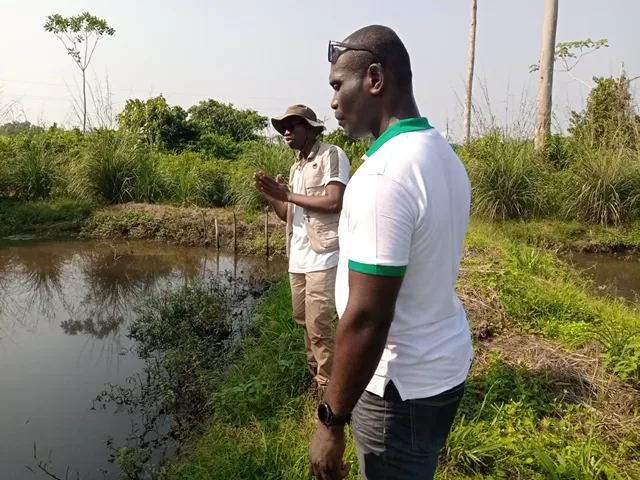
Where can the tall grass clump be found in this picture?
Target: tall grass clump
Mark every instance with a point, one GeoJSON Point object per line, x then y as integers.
{"type": "Point", "coordinates": [190, 179]}
{"type": "Point", "coordinates": [273, 159]}
{"type": "Point", "coordinates": [215, 182]}
{"type": "Point", "coordinates": [6, 157]}
{"type": "Point", "coordinates": [505, 176]}
{"type": "Point", "coordinates": [110, 168]}
{"type": "Point", "coordinates": [151, 185]}
{"type": "Point", "coordinates": [183, 182]}
{"type": "Point", "coordinates": [603, 186]}
{"type": "Point", "coordinates": [36, 169]}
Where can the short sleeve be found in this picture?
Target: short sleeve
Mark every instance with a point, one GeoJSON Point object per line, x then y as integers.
{"type": "Point", "coordinates": [381, 226]}
{"type": "Point", "coordinates": [337, 167]}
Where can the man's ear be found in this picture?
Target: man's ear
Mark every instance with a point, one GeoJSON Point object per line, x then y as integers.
{"type": "Point", "coordinates": [376, 78]}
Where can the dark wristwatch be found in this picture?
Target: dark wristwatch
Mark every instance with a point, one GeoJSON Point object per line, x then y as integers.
{"type": "Point", "coordinates": [327, 417]}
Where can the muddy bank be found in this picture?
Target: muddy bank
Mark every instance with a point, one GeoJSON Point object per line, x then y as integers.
{"type": "Point", "coordinates": [189, 227]}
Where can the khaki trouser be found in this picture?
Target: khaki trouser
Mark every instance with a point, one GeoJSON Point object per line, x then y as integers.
{"type": "Point", "coordinates": [314, 308]}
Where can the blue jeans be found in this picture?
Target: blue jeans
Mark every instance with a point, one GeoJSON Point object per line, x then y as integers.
{"type": "Point", "coordinates": [398, 440]}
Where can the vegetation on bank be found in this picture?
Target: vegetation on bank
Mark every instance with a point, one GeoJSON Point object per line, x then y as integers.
{"type": "Point", "coordinates": [552, 393]}
{"type": "Point", "coordinates": [205, 156]}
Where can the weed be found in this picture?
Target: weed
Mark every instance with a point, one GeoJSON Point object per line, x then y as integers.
{"type": "Point", "coordinates": [505, 177]}
{"type": "Point", "coordinates": [111, 166]}
{"type": "Point", "coordinates": [258, 156]}
{"type": "Point", "coordinates": [36, 170]}
{"type": "Point", "coordinates": [603, 187]}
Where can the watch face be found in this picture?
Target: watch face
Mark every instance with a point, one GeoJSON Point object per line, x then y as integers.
{"type": "Point", "coordinates": [323, 412]}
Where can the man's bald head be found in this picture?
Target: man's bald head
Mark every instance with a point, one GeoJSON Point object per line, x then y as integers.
{"type": "Point", "coordinates": [386, 48]}
{"type": "Point", "coordinates": [372, 81]}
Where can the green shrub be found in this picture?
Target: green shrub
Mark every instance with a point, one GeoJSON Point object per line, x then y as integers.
{"type": "Point", "coordinates": [6, 157]}
{"type": "Point", "coordinates": [110, 167]}
{"type": "Point", "coordinates": [219, 146]}
{"type": "Point", "coordinates": [36, 171]}
{"type": "Point", "coordinates": [603, 187]}
{"type": "Point", "coordinates": [273, 159]}
{"type": "Point", "coordinates": [181, 175]}
{"type": "Point", "coordinates": [151, 185]}
{"type": "Point", "coordinates": [505, 177]}
{"type": "Point", "coordinates": [560, 151]}
{"type": "Point", "coordinates": [215, 182]}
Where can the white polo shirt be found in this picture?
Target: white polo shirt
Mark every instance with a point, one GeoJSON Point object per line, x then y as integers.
{"type": "Point", "coordinates": [406, 212]}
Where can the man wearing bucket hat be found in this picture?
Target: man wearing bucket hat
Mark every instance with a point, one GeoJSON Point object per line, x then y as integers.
{"type": "Point", "coordinates": [310, 204]}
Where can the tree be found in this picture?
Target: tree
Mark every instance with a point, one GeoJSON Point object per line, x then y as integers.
{"type": "Point", "coordinates": [545, 84]}
{"type": "Point", "coordinates": [79, 32]}
{"type": "Point", "coordinates": [610, 118]}
{"type": "Point", "coordinates": [163, 127]}
{"type": "Point", "coordinates": [472, 61]}
{"type": "Point", "coordinates": [15, 128]}
{"type": "Point", "coordinates": [569, 54]}
{"type": "Point", "coordinates": [224, 120]}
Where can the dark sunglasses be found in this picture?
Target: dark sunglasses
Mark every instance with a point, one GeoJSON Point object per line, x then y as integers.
{"type": "Point", "coordinates": [291, 123]}
{"type": "Point", "coordinates": [338, 48]}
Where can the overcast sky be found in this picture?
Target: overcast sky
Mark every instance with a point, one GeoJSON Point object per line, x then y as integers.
{"type": "Point", "coordinates": [267, 55]}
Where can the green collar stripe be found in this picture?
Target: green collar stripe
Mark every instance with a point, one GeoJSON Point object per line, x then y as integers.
{"type": "Point", "coordinates": [384, 270]}
{"type": "Point", "coordinates": [401, 126]}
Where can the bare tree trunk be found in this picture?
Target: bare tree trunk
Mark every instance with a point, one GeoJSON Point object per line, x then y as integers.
{"type": "Point", "coordinates": [472, 62]}
{"type": "Point", "coordinates": [84, 101]}
{"type": "Point", "coordinates": [545, 85]}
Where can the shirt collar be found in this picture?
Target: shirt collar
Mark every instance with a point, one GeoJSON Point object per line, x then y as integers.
{"type": "Point", "coordinates": [405, 125]}
{"type": "Point", "coordinates": [312, 153]}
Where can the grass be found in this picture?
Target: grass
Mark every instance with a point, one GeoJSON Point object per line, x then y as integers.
{"type": "Point", "coordinates": [505, 175]}
{"type": "Point", "coordinates": [262, 414]}
{"type": "Point", "coordinates": [546, 296]}
{"type": "Point", "coordinates": [603, 187]}
{"type": "Point", "coordinates": [575, 179]}
{"type": "Point", "coordinates": [273, 159]}
{"type": "Point", "coordinates": [42, 217]}
{"type": "Point", "coordinates": [571, 235]}
{"type": "Point", "coordinates": [547, 398]}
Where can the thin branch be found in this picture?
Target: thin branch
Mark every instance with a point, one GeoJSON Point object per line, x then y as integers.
{"type": "Point", "coordinates": [93, 50]}
{"type": "Point", "coordinates": [86, 47]}
{"type": "Point", "coordinates": [590, 87]}
{"type": "Point", "coordinates": [43, 467]}
{"type": "Point", "coordinates": [568, 69]}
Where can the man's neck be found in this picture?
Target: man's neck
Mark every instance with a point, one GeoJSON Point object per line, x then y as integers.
{"type": "Point", "coordinates": [306, 150]}
{"type": "Point", "coordinates": [405, 108]}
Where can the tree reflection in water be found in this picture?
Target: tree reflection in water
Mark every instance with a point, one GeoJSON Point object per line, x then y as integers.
{"type": "Point", "coordinates": [41, 272]}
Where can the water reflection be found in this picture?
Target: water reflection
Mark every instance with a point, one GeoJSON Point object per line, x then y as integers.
{"type": "Point", "coordinates": [64, 312]}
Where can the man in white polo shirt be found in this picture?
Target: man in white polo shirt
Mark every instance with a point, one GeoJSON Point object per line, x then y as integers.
{"type": "Point", "coordinates": [403, 344]}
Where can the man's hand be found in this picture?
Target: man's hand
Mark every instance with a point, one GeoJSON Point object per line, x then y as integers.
{"type": "Point", "coordinates": [326, 453]}
{"type": "Point", "coordinates": [272, 189]}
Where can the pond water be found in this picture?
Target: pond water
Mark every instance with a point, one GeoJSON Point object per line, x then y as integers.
{"type": "Point", "coordinates": [64, 312]}
{"type": "Point", "coordinates": [614, 274]}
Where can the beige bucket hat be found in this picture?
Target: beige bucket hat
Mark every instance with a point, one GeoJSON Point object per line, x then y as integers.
{"type": "Point", "coordinates": [301, 111]}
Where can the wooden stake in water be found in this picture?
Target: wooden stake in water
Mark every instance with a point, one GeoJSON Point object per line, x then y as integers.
{"type": "Point", "coordinates": [235, 234]}
{"type": "Point", "coordinates": [215, 222]}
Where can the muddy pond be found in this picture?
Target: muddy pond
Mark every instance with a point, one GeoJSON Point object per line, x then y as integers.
{"type": "Point", "coordinates": [613, 274]}
{"type": "Point", "coordinates": [64, 312]}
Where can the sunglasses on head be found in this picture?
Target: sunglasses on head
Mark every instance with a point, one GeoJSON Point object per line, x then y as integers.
{"type": "Point", "coordinates": [338, 48]}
